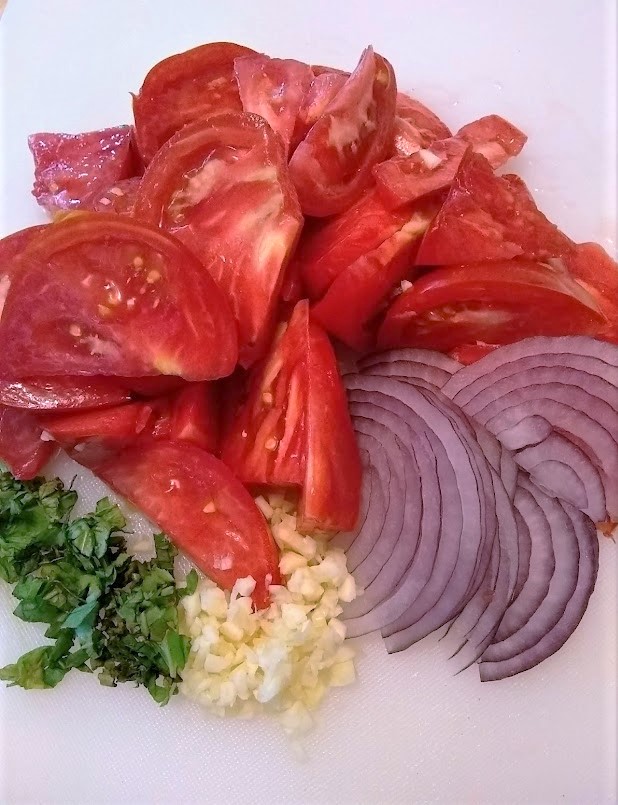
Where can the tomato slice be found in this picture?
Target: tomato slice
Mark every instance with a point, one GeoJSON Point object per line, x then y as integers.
{"type": "Point", "coordinates": [294, 428]}
{"type": "Point", "coordinates": [204, 509]}
{"type": "Point", "coordinates": [332, 166]}
{"type": "Point", "coordinates": [184, 88]}
{"type": "Point", "coordinates": [222, 187]}
{"type": "Point", "coordinates": [113, 426]}
{"type": "Point", "coordinates": [155, 386]}
{"type": "Point", "coordinates": [21, 445]}
{"type": "Point", "coordinates": [190, 415]}
{"type": "Point", "coordinates": [275, 89]}
{"type": "Point", "coordinates": [119, 197]}
{"type": "Point", "coordinates": [352, 302]}
{"type": "Point", "coordinates": [323, 88]}
{"type": "Point", "coordinates": [595, 270]}
{"type": "Point", "coordinates": [62, 393]}
{"type": "Point", "coordinates": [415, 126]}
{"type": "Point", "coordinates": [71, 170]}
{"type": "Point", "coordinates": [401, 180]}
{"type": "Point", "coordinates": [497, 303]}
{"type": "Point", "coordinates": [494, 138]}
{"type": "Point", "coordinates": [103, 295]}
{"type": "Point", "coordinates": [488, 217]}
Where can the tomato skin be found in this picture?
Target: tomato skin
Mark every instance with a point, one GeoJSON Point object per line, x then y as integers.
{"type": "Point", "coordinates": [494, 138]}
{"type": "Point", "coordinates": [415, 126]}
{"type": "Point", "coordinates": [62, 393]}
{"type": "Point", "coordinates": [184, 88]}
{"type": "Point", "coordinates": [21, 446]}
{"type": "Point", "coordinates": [245, 221]}
{"type": "Point", "coordinates": [204, 509]}
{"type": "Point", "coordinates": [83, 301]}
{"type": "Point", "coordinates": [71, 170]}
{"type": "Point", "coordinates": [332, 166]}
{"type": "Point", "coordinates": [496, 303]}
{"type": "Point", "coordinates": [592, 267]}
{"type": "Point", "coordinates": [293, 428]}
{"type": "Point", "coordinates": [488, 217]}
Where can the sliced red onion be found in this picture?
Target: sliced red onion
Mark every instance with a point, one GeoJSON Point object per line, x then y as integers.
{"type": "Point", "coordinates": [525, 550]}
{"type": "Point", "coordinates": [563, 469]}
{"type": "Point", "coordinates": [571, 615]}
{"type": "Point", "coordinates": [528, 431]}
{"type": "Point", "coordinates": [425, 358]}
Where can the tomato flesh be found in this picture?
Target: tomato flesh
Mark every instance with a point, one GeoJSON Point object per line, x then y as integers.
{"type": "Point", "coordinates": [190, 415]}
{"type": "Point", "coordinates": [494, 138]}
{"type": "Point", "coordinates": [102, 295]}
{"type": "Point", "coordinates": [117, 425]}
{"type": "Point", "coordinates": [594, 269]}
{"type": "Point", "coordinates": [415, 126]}
{"type": "Point", "coordinates": [202, 507]}
{"type": "Point", "coordinates": [21, 445]}
{"type": "Point", "coordinates": [62, 393]}
{"type": "Point", "coordinates": [496, 303]}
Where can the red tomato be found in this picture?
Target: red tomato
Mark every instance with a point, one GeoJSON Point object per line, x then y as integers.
{"type": "Point", "coordinates": [487, 217]}
{"type": "Point", "coordinates": [204, 509]}
{"type": "Point", "coordinates": [332, 166]}
{"type": "Point", "coordinates": [275, 89]}
{"type": "Point", "coordinates": [185, 88]}
{"type": "Point", "coordinates": [103, 295]}
{"type": "Point", "coordinates": [13, 245]}
{"type": "Point", "coordinates": [595, 270]}
{"type": "Point", "coordinates": [494, 138]}
{"type": "Point", "coordinates": [415, 126]}
{"type": "Point", "coordinates": [119, 197]}
{"type": "Point", "coordinates": [497, 303]}
{"type": "Point", "coordinates": [155, 386]}
{"type": "Point", "coordinates": [470, 353]}
{"type": "Point", "coordinates": [324, 86]}
{"type": "Point", "coordinates": [352, 302]}
{"type": "Point", "coordinates": [190, 415]}
{"type": "Point", "coordinates": [401, 180]}
{"type": "Point", "coordinates": [294, 429]}
{"type": "Point", "coordinates": [222, 187]}
{"type": "Point", "coordinates": [114, 426]}
{"type": "Point", "coordinates": [329, 246]}
{"type": "Point", "coordinates": [62, 393]}
{"type": "Point", "coordinates": [71, 170]}
{"type": "Point", "coordinates": [21, 445]}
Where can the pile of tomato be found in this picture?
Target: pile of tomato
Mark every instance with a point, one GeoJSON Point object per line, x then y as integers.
{"type": "Point", "coordinates": [173, 328]}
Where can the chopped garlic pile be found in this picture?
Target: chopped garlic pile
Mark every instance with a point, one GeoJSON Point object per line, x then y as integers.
{"type": "Point", "coordinates": [282, 659]}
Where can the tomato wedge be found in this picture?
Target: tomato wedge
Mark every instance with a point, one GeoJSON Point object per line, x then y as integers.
{"type": "Point", "coordinates": [103, 295]}
{"type": "Point", "coordinates": [222, 187]}
{"type": "Point", "coordinates": [118, 197]}
{"type": "Point", "coordinates": [62, 393]}
{"type": "Point", "coordinates": [494, 138]}
{"type": "Point", "coordinates": [401, 180]}
{"type": "Point", "coordinates": [415, 126]}
{"type": "Point", "coordinates": [275, 89]}
{"type": "Point", "coordinates": [356, 296]}
{"type": "Point", "coordinates": [71, 170]}
{"type": "Point", "coordinates": [190, 415]}
{"type": "Point", "coordinates": [294, 429]}
{"type": "Point", "coordinates": [324, 86]}
{"type": "Point", "coordinates": [202, 507]}
{"type": "Point", "coordinates": [332, 166]}
{"type": "Point", "coordinates": [21, 445]}
{"type": "Point", "coordinates": [488, 217]}
{"type": "Point", "coordinates": [154, 386]}
{"type": "Point", "coordinates": [184, 88]}
{"type": "Point", "coordinates": [115, 426]}
{"type": "Point", "coordinates": [595, 270]}
{"type": "Point", "coordinates": [497, 303]}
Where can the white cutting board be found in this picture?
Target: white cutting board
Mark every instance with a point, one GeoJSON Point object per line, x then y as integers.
{"type": "Point", "coordinates": [409, 730]}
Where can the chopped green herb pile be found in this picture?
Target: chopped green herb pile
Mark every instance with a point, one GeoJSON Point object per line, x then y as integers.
{"type": "Point", "coordinates": [107, 612]}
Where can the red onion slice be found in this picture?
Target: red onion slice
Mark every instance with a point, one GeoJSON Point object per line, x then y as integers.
{"type": "Point", "coordinates": [525, 550]}
{"type": "Point", "coordinates": [528, 431]}
{"type": "Point", "coordinates": [572, 613]}
{"type": "Point", "coordinates": [420, 357]}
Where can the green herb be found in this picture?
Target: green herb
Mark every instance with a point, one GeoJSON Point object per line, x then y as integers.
{"type": "Point", "coordinates": [107, 613]}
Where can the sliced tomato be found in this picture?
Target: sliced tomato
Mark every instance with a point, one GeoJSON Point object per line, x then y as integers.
{"type": "Point", "coordinates": [332, 166]}
{"type": "Point", "coordinates": [112, 427]}
{"type": "Point", "coordinates": [329, 246]}
{"type": "Point", "coordinates": [401, 180]}
{"type": "Point", "coordinates": [62, 393]}
{"type": "Point", "coordinates": [71, 170]}
{"type": "Point", "coordinates": [497, 303]}
{"type": "Point", "coordinates": [470, 353]}
{"type": "Point", "coordinates": [222, 187]}
{"type": "Point", "coordinates": [184, 88]}
{"type": "Point", "coordinates": [21, 445]}
{"type": "Point", "coordinates": [415, 126]}
{"type": "Point", "coordinates": [294, 429]}
{"type": "Point", "coordinates": [494, 138]}
{"type": "Point", "coordinates": [155, 386]}
{"type": "Point", "coordinates": [487, 217]}
{"type": "Point", "coordinates": [595, 270]}
{"type": "Point", "coordinates": [118, 197]}
{"type": "Point", "coordinates": [202, 507]}
{"type": "Point", "coordinates": [13, 245]}
{"type": "Point", "coordinates": [323, 88]}
{"type": "Point", "coordinates": [103, 295]}
{"type": "Point", "coordinates": [275, 89]}
{"type": "Point", "coordinates": [190, 415]}
{"type": "Point", "coordinates": [352, 302]}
